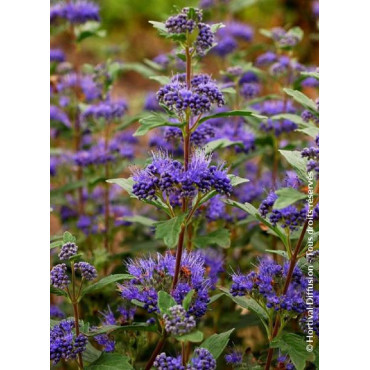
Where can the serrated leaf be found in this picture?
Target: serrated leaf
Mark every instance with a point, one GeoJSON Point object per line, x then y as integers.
{"type": "Point", "coordinates": [169, 230]}
{"type": "Point", "coordinates": [215, 297]}
{"type": "Point", "coordinates": [125, 184]}
{"type": "Point", "coordinates": [57, 243]}
{"type": "Point", "coordinates": [216, 343]}
{"type": "Point", "coordinates": [90, 354]}
{"type": "Point", "coordinates": [312, 131]}
{"type": "Point", "coordinates": [187, 300]}
{"type": "Point", "coordinates": [146, 221]}
{"type": "Point", "coordinates": [57, 291]}
{"type": "Point", "coordinates": [297, 162]}
{"type": "Point", "coordinates": [301, 99]}
{"type": "Point", "coordinates": [159, 26]}
{"type": "Point", "coordinates": [248, 303]}
{"type": "Point", "coordinates": [295, 346]}
{"type": "Point", "coordinates": [233, 113]}
{"type": "Point", "coordinates": [111, 361]}
{"type": "Point", "coordinates": [153, 121]}
{"type": "Point", "coordinates": [220, 143]}
{"type": "Point", "coordinates": [102, 283]}
{"type": "Point", "coordinates": [236, 180]}
{"type": "Point", "coordinates": [219, 237]}
{"type": "Point", "coordinates": [194, 337]}
{"type": "Point", "coordinates": [68, 238]}
{"type": "Point", "coordinates": [165, 301]}
{"type": "Point", "coordinates": [286, 197]}
{"type": "Point", "coordinates": [291, 117]}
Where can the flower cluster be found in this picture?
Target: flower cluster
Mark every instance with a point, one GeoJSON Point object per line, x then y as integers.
{"type": "Point", "coordinates": [273, 107]}
{"type": "Point", "coordinates": [164, 362]}
{"type": "Point", "coordinates": [88, 272]}
{"type": "Point", "coordinates": [266, 285]}
{"type": "Point", "coordinates": [177, 322]}
{"type": "Point", "coordinates": [198, 98]}
{"type": "Point", "coordinates": [288, 217]}
{"type": "Point", "coordinates": [186, 22]}
{"type": "Point", "coordinates": [169, 176]}
{"type": "Point", "coordinates": [58, 276]}
{"type": "Point", "coordinates": [312, 154]}
{"type": "Point", "coordinates": [156, 273]}
{"type": "Point", "coordinates": [68, 250]}
{"type": "Point", "coordinates": [64, 344]}
{"type": "Point", "coordinates": [202, 360]}
{"type": "Point", "coordinates": [76, 12]}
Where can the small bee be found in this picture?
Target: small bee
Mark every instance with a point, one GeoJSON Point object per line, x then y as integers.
{"type": "Point", "coordinates": [185, 272]}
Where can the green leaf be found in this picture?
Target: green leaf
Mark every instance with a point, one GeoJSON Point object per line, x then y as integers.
{"type": "Point", "coordinates": [301, 99]}
{"type": "Point", "coordinates": [291, 117]}
{"type": "Point", "coordinates": [236, 180]}
{"type": "Point", "coordinates": [159, 26]}
{"type": "Point", "coordinates": [219, 237]}
{"type": "Point", "coordinates": [68, 238]}
{"type": "Point", "coordinates": [111, 361]}
{"type": "Point", "coordinates": [89, 29]}
{"type": "Point", "coordinates": [216, 343]}
{"type": "Point", "coordinates": [233, 113]}
{"type": "Point", "coordinates": [146, 221]}
{"type": "Point", "coordinates": [216, 26]}
{"type": "Point", "coordinates": [126, 184]}
{"type": "Point", "coordinates": [165, 302]}
{"type": "Point", "coordinates": [219, 144]}
{"type": "Point", "coordinates": [163, 80]}
{"type": "Point", "coordinates": [248, 303]}
{"type": "Point", "coordinates": [169, 230]}
{"type": "Point", "coordinates": [107, 329]}
{"type": "Point", "coordinates": [102, 283]}
{"type": "Point", "coordinates": [250, 209]}
{"type": "Point", "coordinates": [215, 297]}
{"type": "Point", "coordinates": [187, 300]}
{"type": "Point", "coordinates": [57, 291]}
{"type": "Point", "coordinates": [153, 121]}
{"type": "Point", "coordinates": [194, 337]}
{"type": "Point", "coordinates": [287, 196]}
{"type": "Point", "coordinates": [57, 243]}
{"type": "Point", "coordinates": [310, 74]}
{"type": "Point", "coordinates": [297, 162]}
{"type": "Point", "coordinates": [295, 346]}
{"type": "Point", "coordinates": [91, 354]}
{"type": "Point", "coordinates": [312, 131]}
{"type": "Point", "coordinates": [129, 120]}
